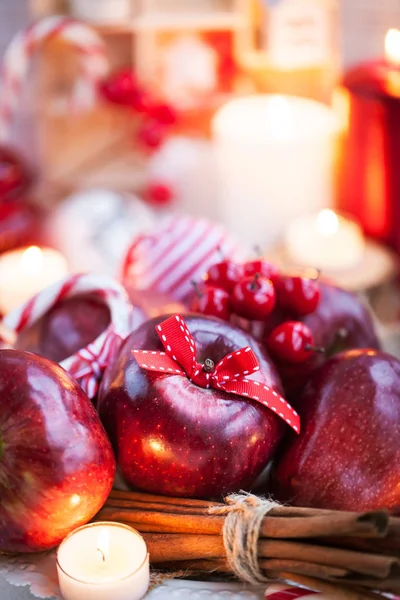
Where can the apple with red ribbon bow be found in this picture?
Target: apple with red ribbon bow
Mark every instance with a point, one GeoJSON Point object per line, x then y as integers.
{"type": "Point", "coordinates": [202, 416]}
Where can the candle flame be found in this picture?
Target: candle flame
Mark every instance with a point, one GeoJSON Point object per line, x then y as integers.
{"type": "Point", "coordinates": [327, 222]}
{"type": "Point", "coordinates": [32, 261]}
{"type": "Point", "coordinates": [392, 46]}
{"type": "Point", "coordinates": [103, 544]}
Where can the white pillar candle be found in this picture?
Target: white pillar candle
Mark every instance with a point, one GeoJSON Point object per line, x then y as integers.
{"type": "Point", "coordinates": [275, 156]}
{"type": "Point", "coordinates": [25, 272]}
{"type": "Point", "coordinates": [103, 561]}
{"type": "Point", "coordinates": [326, 241]}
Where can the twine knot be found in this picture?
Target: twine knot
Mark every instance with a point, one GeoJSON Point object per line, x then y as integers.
{"type": "Point", "coordinates": [243, 518]}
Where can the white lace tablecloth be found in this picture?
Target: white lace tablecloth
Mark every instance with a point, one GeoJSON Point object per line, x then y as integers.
{"type": "Point", "coordinates": [32, 577]}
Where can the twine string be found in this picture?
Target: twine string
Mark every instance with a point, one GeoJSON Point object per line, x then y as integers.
{"type": "Point", "coordinates": [243, 518]}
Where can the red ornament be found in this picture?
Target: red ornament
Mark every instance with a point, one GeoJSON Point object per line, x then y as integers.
{"type": "Point", "coordinates": [298, 294]}
{"type": "Point", "coordinates": [120, 88]}
{"type": "Point", "coordinates": [225, 274]}
{"type": "Point", "coordinates": [211, 301]}
{"type": "Point", "coordinates": [264, 268]}
{"type": "Point", "coordinates": [15, 177]}
{"type": "Point", "coordinates": [291, 342]}
{"type": "Point", "coordinates": [160, 193]}
{"type": "Point", "coordinates": [253, 298]}
{"type": "Point", "coordinates": [229, 374]}
{"type": "Point", "coordinates": [152, 134]}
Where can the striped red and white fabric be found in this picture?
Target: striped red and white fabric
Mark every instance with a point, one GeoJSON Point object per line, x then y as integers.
{"type": "Point", "coordinates": [179, 251]}
{"type": "Point", "coordinates": [24, 45]}
{"type": "Point", "coordinates": [86, 365]}
{"type": "Point", "coordinates": [286, 592]}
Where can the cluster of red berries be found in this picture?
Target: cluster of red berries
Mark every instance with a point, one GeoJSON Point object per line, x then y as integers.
{"type": "Point", "coordinates": [124, 89]}
{"type": "Point", "coordinates": [252, 290]}
{"type": "Point", "coordinates": [157, 119]}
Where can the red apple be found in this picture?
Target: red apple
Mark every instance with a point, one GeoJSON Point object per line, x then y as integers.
{"type": "Point", "coordinates": [56, 463]}
{"type": "Point", "coordinates": [340, 322]}
{"type": "Point", "coordinates": [15, 177]}
{"type": "Point", "coordinates": [71, 325]}
{"type": "Point", "coordinates": [172, 437]}
{"type": "Point", "coordinates": [347, 456]}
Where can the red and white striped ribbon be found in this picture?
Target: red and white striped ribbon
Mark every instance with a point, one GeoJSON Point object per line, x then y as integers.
{"type": "Point", "coordinates": [23, 46]}
{"type": "Point", "coordinates": [285, 592]}
{"type": "Point", "coordinates": [180, 250]}
{"type": "Point", "coordinates": [86, 365]}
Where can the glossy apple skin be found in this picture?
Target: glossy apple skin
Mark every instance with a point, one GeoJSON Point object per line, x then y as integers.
{"type": "Point", "coordinates": [71, 325]}
{"type": "Point", "coordinates": [174, 438]}
{"type": "Point", "coordinates": [340, 322]}
{"type": "Point", "coordinates": [56, 462]}
{"type": "Point", "coordinates": [347, 456]}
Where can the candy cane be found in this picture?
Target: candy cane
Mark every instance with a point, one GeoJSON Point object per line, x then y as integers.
{"type": "Point", "coordinates": [24, 45]}
{"type": "Point", "coordinates": [86, 365]}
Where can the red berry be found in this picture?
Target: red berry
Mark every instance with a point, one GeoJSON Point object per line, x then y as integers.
{"type": "Point", "coordinates": [152, 134]}
{"type": "Point", "coordinates": [298, 294]}
{"type": "Point", "coordinates": [120, 88]}
{"type": "Point", "coordinates": [291, 342]}
{"type": "Point", "coordinates": [264, 268]}
{"type": "Point", "coordinates": [253, 298]}
{"type": "Point", "coordinates": [160, 193]}
{"type": "Point", "coordinates": [142, 101]}
{"type": "Point", "coordinates": [164, 113]}
{"type": "Point", "coordinates": [212, 301]}
{"type": "Point", "coordinates": [225, 274]}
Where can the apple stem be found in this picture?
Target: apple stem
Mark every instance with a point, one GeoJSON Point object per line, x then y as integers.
{"type": "Point", "coordinates": [209, 365]}
{"type": "Point", "coordinates": [310, 348]}
{"type": "Point", "coordinates": [221, 253]}
{"type": "Point", "coordinates": [257, 251]}
{"type": "Point", "coordinates": [253, 285]}
{"type": "Point", "coordinates": [197, 289]}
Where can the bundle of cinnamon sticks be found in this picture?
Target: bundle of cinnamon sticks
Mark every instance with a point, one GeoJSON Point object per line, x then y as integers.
{"type": "Point", "coordinates": [351, 556]}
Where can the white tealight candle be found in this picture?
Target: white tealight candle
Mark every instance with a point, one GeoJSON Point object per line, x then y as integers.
{"type": "Point", "coordinates": [326, 241]}
{"type": "Point", "coordinates": [103, 561]}
{"type": "Point", "coordinates": [25, 272]}
{"type": "Point", "coordinates": [275, 157]}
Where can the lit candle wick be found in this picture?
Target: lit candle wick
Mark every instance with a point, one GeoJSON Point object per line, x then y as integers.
{"type": "Point", "coordinates": [103, 556]}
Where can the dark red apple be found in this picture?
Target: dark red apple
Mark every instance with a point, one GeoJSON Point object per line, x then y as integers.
{"type": "Point", "coordinates": [172, 437]}
{"type": "Point", "coordinates": [56, 463]}
{"type": "Point", "coordinates": [71, 325]}
{"type": "Point", "coordinates": [15, 177]}
{"type": "Point", "coordinates": [341, 321]}
{"type": "Point", "coordinates": [347, 456]}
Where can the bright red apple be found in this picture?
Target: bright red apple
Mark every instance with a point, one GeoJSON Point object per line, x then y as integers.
{"type": "Point", "coordinates": [56, 462]}
{"type": "Point", "coordinates": [347, 456]}
{"type": "Point", "coordinates": [172, 437]}
{"type": "Point", "coordinates": [71, 325]}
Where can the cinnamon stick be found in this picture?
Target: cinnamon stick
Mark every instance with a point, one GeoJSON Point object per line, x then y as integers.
{"type": "Point", "coordinates": [369, 525]}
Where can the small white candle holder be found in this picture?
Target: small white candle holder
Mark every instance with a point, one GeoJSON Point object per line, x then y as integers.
{"type": "Point", "coordinates": [103, 561]}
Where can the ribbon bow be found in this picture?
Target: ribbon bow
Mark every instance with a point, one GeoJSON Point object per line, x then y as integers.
{"type": "Point", "coordinates": [229, 374]}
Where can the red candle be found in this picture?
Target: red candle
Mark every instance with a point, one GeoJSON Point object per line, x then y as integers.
{"type": "Point", "coordinates": [370, 169]}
